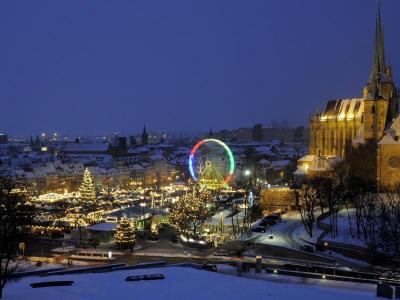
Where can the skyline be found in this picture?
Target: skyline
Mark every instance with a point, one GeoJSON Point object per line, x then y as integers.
{"type": "Point", "coordinates": [135, 63]}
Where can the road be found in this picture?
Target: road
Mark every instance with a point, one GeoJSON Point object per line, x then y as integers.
{"type": "Point", "coordinates": [286, 243]}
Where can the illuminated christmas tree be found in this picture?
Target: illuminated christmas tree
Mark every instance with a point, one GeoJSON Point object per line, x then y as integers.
{"type": "Point", "coordinates": [87, 189]}
{"type": "Point", "coordinates": [154, 231]}
{"type": "Point", "coordinates": [125, 235]}
{"type": "Point", "coordinates": [190, 212]}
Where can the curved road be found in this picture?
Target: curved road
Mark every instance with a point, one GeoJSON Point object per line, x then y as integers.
{"type": "Point", "coordinates": [293, 244]}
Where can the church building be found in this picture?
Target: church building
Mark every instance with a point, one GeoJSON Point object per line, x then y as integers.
{"type": "Point", "coordinates": [364, 131]}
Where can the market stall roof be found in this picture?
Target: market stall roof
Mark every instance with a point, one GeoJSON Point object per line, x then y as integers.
{"type": "Point", "coordinates": [106, 226]}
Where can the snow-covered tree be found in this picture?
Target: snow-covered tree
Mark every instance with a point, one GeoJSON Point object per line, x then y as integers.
{"type": "Point", "coordinates": [125, 235]}
{"type": "Point", "coordinates": [87, 189]}
{"type": "Point", "coordinates": [190, 212]}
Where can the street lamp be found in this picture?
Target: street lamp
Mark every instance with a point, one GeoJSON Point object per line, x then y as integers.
{"type": "Point", "coordinates": [41, 242]}
{"type": "Point", "coordinates": [143, 206]}
{"type": "Point", "coordinates": [247, 173]}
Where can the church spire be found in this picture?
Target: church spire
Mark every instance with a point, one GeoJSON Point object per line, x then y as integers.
{"type": "Point", "coordinates": [379, 62]}
{"type": "Point", "coordinates": [382, 61]}
{"type": "Point", "coordinates": [144, 129]}
{"type": "Point", "coordinates": [145, 136]}
{"type": "Point", "coordinates": [379, 69]}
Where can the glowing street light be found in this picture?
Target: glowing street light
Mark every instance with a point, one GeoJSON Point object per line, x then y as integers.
{"type": "Point", "coordinates": [247, 172]}
{"type": "Point", "coordinates": [143, 205]}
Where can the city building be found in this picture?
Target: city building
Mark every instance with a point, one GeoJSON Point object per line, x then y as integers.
{"type": "Point", "coordinates": [3, 138]}
{"type": "Point", "coordinates": [362, 131]}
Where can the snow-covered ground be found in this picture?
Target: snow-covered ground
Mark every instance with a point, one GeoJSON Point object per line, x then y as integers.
{"type": "Point", "coordinates": [182, 283]}
{"type": "Point", "coordinates": [300, 234]}
{"type": "Point", "coordinates": [278, 232]}
{"type": "Point", "coordinates": [344, 229]}
{"type": "Point", "coordinates": [289, 233]}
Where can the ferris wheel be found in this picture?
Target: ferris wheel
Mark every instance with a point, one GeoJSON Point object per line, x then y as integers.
{"type": "Point", "coordinates": [211, 163]}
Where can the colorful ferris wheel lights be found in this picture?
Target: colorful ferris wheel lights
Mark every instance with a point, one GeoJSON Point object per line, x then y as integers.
{"type": "Point", "coordinates": [220, 143]}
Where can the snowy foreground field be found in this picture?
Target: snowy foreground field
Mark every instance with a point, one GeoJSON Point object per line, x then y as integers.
{"type": "Point", "coordinates": [180, 283]}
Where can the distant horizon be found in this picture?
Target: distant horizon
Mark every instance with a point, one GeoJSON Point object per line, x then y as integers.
{"type": "Point", "coordinates": [137, 133]}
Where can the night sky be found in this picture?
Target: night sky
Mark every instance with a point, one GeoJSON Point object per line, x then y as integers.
{"type": "Point", "coordinates": [100, 66]}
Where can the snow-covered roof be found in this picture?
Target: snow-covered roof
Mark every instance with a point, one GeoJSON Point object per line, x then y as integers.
{"type": "Point", "coordinates": [317, 164]}
{"type": "Point", "coordinates": [103, 227]}
{"type": "Point", "coordinates": [391, 135]}
{"type": "Point", "coordinates": [264, 162]}
{"type": "Point", "coordinates": [46, 170]}
{"type": "Point", "coordinates": [144, 164]}
{"type": "Point", "coordinates": [307, 158]}
{"type": "Point", "coordinates": [138, 150]}
{"type": "Point", "coordinates": [280, 163]}
{"type": "Point", "coordinates": [343, 109]}
{"type": "Point", "coordinates": [136, 167]}
{"type": "Point", "coordinates": [267, 150]}
{"type": "Point", "coordinates": [164, 145]}
{"type": "Point", "coordinates": [157, 156]}
{"type": "Point", "coordinates": [299, 172]}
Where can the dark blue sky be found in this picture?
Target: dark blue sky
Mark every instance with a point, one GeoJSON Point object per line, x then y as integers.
{"type": "Point", "coordinates": [95, 66]}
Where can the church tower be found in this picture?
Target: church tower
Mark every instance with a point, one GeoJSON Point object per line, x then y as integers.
{"type": "Point", "coordinates": [145, 136]}
{"type": "Point", "coordinates": [380, 96]}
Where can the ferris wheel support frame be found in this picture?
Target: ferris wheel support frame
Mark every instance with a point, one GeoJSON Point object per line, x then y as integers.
{"type": "Point", "coordinates": [228, 151]}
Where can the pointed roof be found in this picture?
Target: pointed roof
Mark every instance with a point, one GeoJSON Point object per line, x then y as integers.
{"type": "Point", "coordinates": [379, 68]}
{"type": "Point", "coordinates": [144, 129]}
{"type": "Point", "coordinates": [391, 135]}
{"type": "Point", "coordinates": [379, 54]}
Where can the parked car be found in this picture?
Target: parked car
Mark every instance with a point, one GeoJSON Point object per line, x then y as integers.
{"type": "Point", "coordinates": [209, 267]}
{"type": "Point", "coordinates": [258, 229]}
{"type": "Point", "coordinates": [268, 222]}
{"type": "Point", "coordinates": [307, 248]}
{"type": "Point", "coordinates": [264, 224]}
{"type": "Point", "coordinates": [274, 217]}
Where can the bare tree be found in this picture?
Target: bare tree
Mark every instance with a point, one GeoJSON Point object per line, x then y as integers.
{"type": "Point", "coordinates": [367, 219]}
{"type": "Point", "coordinates": [319, 184]}
{"type": "Point", "coordinates": [306, 201]}
{"type": "Point", "coordinates": [359, 190]}
{"type": "Point", "coordinates": [389, 214]}
{"type": "Point", "coordinates": [15, 215]}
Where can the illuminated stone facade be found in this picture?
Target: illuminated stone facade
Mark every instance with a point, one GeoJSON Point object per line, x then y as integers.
{"type": "Point", "coordinates": [332, 132]}
{"type": "Point", "coordinates": [366, 130]}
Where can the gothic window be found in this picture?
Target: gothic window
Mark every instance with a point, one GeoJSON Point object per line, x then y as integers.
{"type": "Point", "coordinates": [373, 109]}
{"type": "Point", "coordinates": [394, 162]}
